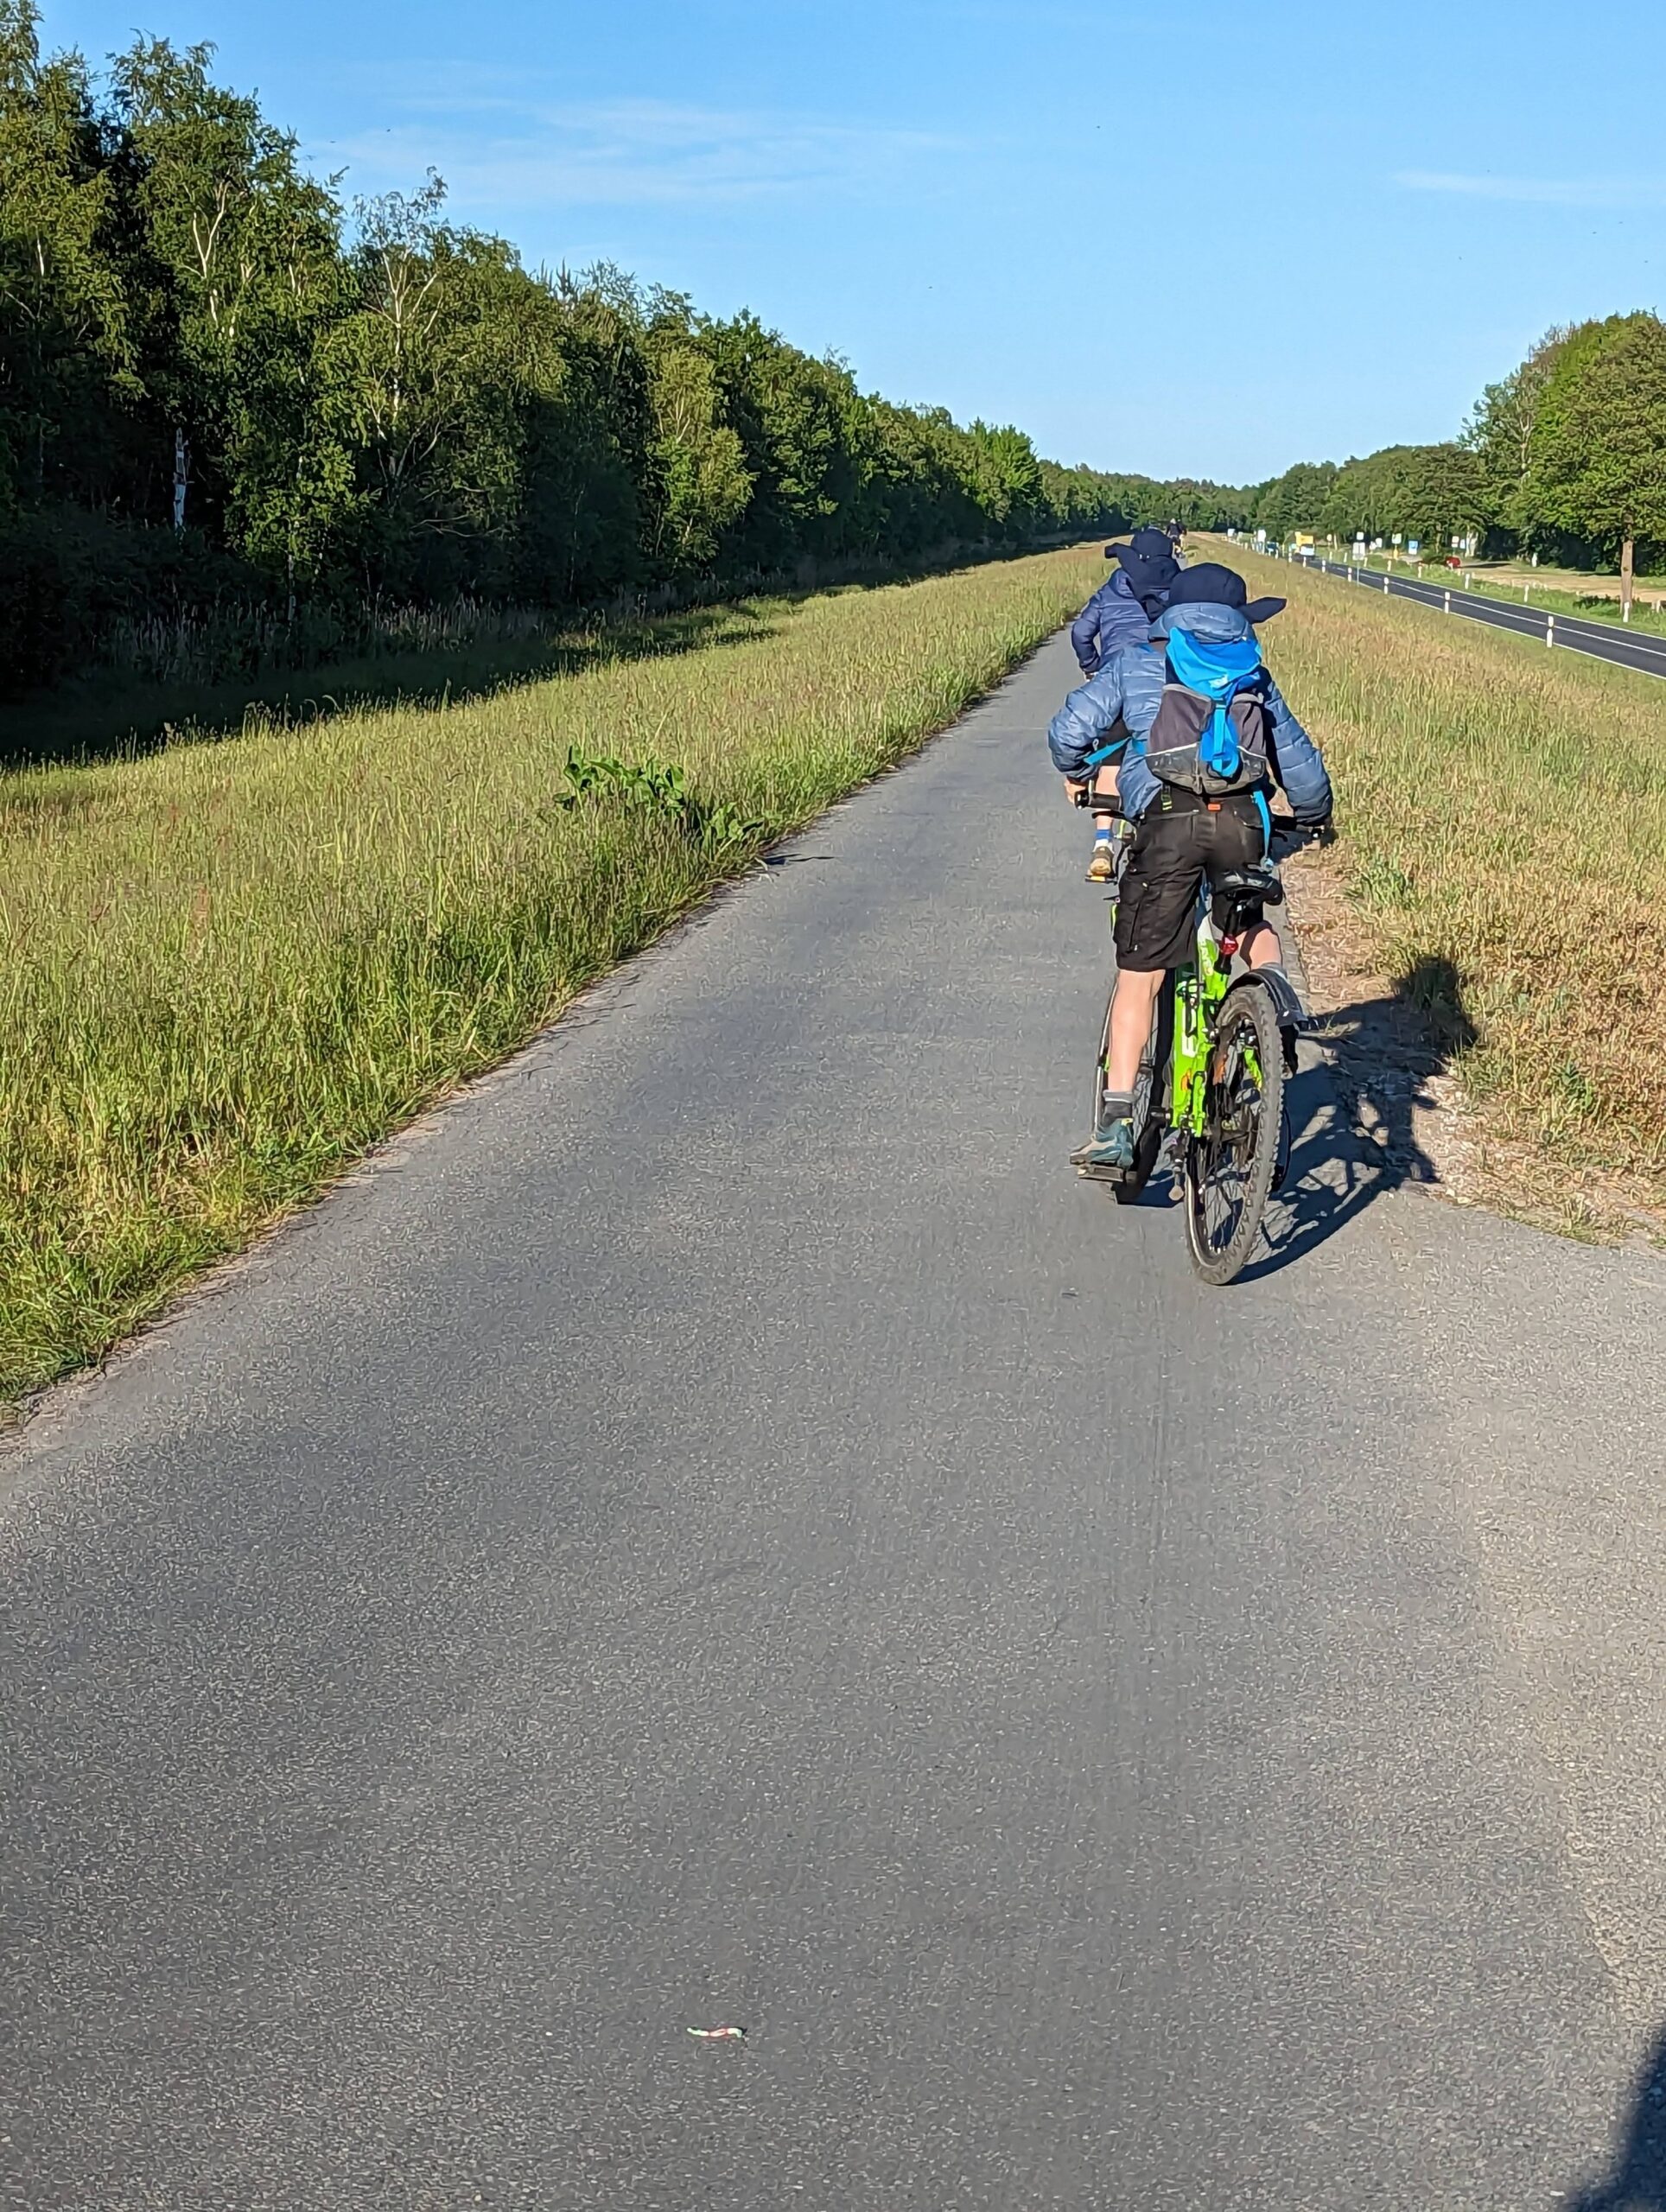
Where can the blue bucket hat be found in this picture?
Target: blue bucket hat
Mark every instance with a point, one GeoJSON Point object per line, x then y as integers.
{"type": "Point", "coordinates": [1211, 584]}
{"type": "Point", "coordinates": [1148, 561]}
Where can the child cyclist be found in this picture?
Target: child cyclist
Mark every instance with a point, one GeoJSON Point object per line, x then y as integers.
{"type": "Point", "coordinates": [1120, 613]}
{"type": "Point", "coordinates": [1195, 785]}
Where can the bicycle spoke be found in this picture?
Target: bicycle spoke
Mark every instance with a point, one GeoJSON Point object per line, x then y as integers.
{"type": "Point", "coordinates": [1234, 1120]}
{"type": "Point", "coordinates": [1232, 1161]}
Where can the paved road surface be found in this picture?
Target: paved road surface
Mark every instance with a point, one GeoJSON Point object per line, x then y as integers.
{"type": "Point", "coordinates": [721, 1527]}
{"type": "Point", "coordinates": [1573, 633]}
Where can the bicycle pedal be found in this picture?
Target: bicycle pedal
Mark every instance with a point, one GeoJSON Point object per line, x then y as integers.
{"type": "Point", "coordinates": [1094, 1171]}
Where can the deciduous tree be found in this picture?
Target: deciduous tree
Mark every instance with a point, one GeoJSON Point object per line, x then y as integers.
{"type": "Point", "coordinates": [1599, 445]}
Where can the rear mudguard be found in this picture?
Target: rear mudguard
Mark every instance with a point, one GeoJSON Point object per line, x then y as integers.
{"type": "Point", "coordinates": [1281, 990]}
{"type": "Point", "coordinates": [1286, 1007]}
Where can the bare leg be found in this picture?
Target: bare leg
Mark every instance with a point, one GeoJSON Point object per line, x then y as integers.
{"type": "Point", "coordinates": [1262, 949]}
{"type": "Point", "coordinates": [1130, 1024]}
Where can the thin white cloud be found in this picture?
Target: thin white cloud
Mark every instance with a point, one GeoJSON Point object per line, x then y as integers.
{"type": "Point", "coordinates": [1542, 191]}
{"type": "Point", "coordinates": [499, 147]}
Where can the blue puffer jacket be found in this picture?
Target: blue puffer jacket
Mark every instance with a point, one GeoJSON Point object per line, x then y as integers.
{"type": "Point", "coordinates": [1121, 702]}
{"type": "Point", "coordinates": [1113, 618]}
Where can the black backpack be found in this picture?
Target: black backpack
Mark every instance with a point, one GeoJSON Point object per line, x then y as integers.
{"type": "Point", "coordinates": [1210, 734]}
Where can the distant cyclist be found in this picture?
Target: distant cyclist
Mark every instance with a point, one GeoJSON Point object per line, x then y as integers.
{"type": "Point", "coordinates": [1120, 613]}
{"type": "Point", "coordinates": [1196, 787]}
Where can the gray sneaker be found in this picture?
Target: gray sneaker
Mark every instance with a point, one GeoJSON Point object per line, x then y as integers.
{"type": "Point", "coordinates": [1110, 1146]}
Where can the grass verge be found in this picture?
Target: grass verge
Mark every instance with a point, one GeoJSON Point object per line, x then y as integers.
{"type": "Point", "coordinates": [1505, 817]}
{"type": "Point", "coordinates": [227, 969]}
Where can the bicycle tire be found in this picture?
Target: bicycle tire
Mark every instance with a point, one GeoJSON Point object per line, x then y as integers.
{"type": "Point", "coordinates": [1096, 1105]}
{"type": "Point", "coordinates": [1240, 1143]}
{"type": "Point", "coordinates": [1150, 1121]}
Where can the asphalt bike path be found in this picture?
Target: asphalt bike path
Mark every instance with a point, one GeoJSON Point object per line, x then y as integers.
{"type": "Point", "coordinates": [1571, 632]}
{"type": "Point", "coordinates": [722, 1529]}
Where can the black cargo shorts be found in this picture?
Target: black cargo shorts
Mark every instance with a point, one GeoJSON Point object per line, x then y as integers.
{"type": "Point", "coordinates": [1181, 840]}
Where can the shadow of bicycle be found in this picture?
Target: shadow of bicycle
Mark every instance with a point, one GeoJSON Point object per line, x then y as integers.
{"type": "Point", "coordinates": [1638, 2182]}
{"type": "Point", "coordinates": [1354, 1105]}
{"type": "Point", "coordinates": [1353, 1108]}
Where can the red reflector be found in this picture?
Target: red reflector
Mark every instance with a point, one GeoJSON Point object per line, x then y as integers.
{"type": "Point", "coordinates": [1229, 945]}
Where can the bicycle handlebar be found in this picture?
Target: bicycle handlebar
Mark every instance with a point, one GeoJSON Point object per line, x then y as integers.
{"type": "Point", "coordinates": [1301, 833]}
{"type": "Point", "coordinates": [1285, 825]}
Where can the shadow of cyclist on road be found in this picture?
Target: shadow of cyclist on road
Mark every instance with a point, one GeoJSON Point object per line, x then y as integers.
{"type": "Point", "coordinates": [1638, 2182]}
{"type": "Point", "coordinates": [1354, 1105]}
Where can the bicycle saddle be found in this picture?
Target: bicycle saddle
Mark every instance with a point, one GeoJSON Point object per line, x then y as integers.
{"type": "Point", "coordinates": [1239, 896]}
{"type": "Point", "coordinates": [1249, 883]}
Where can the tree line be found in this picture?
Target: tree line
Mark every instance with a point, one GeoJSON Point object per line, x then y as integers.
{"type": "Point", "coordinates": [221, 382]}
{"type": "Point", "coordinates": [1564, 458]}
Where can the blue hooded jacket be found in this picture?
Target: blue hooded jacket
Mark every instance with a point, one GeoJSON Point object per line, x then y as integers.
{"type": "Point", "coordinates": [1124, 696]}
{"type": "Point", "coordinates": [1113, 618]}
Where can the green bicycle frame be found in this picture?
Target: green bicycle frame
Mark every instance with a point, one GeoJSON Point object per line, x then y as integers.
{"type": "Point", "coordinates": [1200, 987]}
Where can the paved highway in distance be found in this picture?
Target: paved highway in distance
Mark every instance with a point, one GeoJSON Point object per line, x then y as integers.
{"type": "Point", "coordinates": [1601, 641]}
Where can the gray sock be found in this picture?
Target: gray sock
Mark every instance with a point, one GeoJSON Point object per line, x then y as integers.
{"type": "Point", "coordinates": [1118, 1106]}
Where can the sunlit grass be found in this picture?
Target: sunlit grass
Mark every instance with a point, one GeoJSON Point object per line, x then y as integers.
{"type": "Point", "coordinates": [226, 971]}
{"type": "Point", "coordinates": [1505, 808]}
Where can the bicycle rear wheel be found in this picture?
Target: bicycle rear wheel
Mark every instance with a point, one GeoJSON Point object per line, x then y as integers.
{"type": "Point", "coordinates": [1230, 1168]}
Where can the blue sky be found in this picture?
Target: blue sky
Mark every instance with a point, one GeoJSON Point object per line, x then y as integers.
{"type": "Point", "coordinates": [1210, 239]}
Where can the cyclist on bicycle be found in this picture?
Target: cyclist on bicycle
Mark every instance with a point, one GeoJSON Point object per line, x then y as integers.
{"type": "Point", "coordinates": [1183, 834]}
{"type": "Point", "coordinates": [1118, 614]}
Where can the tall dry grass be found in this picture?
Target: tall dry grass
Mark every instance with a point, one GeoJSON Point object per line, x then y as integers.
{"type": "Point", "coordinates": [227, 969]}
{"type": "Point", "coordinates": [1504, 809]}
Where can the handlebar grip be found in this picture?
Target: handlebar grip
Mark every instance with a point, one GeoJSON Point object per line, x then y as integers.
{"type": "Point", "coordinates": [1304, 833]}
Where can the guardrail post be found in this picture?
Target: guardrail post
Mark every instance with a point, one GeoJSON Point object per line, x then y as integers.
{"type": "Point", "coordinates": [1385, 586]}
{"type": "Point", "coordinates": [1550, 629]}
{"type": "Point", "coordinates": [1448, 608]}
